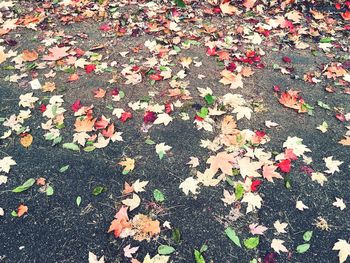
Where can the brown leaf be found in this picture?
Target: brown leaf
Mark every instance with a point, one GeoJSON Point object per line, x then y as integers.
{"type": "Point", "coordinates": [29, 55]}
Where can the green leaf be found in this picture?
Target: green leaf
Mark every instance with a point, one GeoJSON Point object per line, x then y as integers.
{"type": "Point", "coordinates": [231, 234]}
{"type": "Point", "coordinates": [78, 200]}
{"type": "Point", "coordinates": [149, 142]}
{"type": "Point", "coordinates": [239, 191]}
{"type": "Point", "coordinates": [14, 213]}
{"type": "Point", "coordinates": [303, 248]}
{"type": "Point", "coordinates": [204, 248]}
{"type": "Point", "coordinates": [49, 190]}
{"type": "Point", "coordinates": [203, 112]}
{"type": "Point", "coordinates": [25, 186]}
{"type": "Point", "coordinates": [161, 155]}
{"type": "Point", "coordinates": [64, 168]}
{"type": "Point", "coordinates": [198, 257]}
{"type": "Point", "coordinates": [180, 3]}
{"type": "Point", "coordinates": [158, 195]}
{"type": "Point", "coordinates": [307, 236]}
{"type": "Point", "coordinates": [251, 242]}
{"type": "Point", "coordinates": [323, 105]}
{"type": "Point", "coordinates": [70, 146]}
{"type": "Point", "coordinates": [176, 235]}
{"type": "Point", "coordinates": [98, 190]}
{"type": "Point", "coordinates": [165, 250]}
{"type": "Point", "coordinates": [209, 99]}
{"type": "Point", "coordinates": [89, 148]}
{"type": "Point", "coordinates": [326, 40]}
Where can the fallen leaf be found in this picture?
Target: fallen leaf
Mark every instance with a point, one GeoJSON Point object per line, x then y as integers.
{"type": "Point", "coordinates": [93, 258]}
{"type": "Point", "coordinates": [129, 165]}
{"type": "Point", "coordinates": [339, 202]}
{"type": "Point", "coordinates": [189, 185]}
{"type": "Point", "coordinates": [277, 245]}
{"type": "Point", "coordinates": [22, 209]}
{"type": "Point", "coordinates": [280, 227]}
{"type": "Point", "coordinates": [133, 202]}
{"type": "Point", "coordinates": [26, 140]}
{"type": "Point", "coordinates": [344, 249]}
{"type": "Point", "coordinates": [128, 251]}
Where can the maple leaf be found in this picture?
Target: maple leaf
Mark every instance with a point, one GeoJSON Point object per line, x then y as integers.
{"type": "Point", "coordinates": [101, 123]}
{"type": "Point", "coordinates": [339, 202]}
{"type": "Point", "coordinates": [253, 201]}
{"type": "Point", "coordinates": [228, 9]}
{"type": "Point", "coordinates": [27, 100]}
{"type": "Point", "coordinates": [344, 249]}
{"type": "Point", "coordinates": [319, 178]}
{"type": "Point", "coordinates": [120, 222]}
{"type": "Point", "coordinates": [248, 168]}
{"type": "Point", "coordinates": [297, 145]}
{"type": "Point", "coordinates": [129, 165]}
{"type": "Point", "coordinates": [6, 163]}
{"type": "Point", "coordinates": [156, 259]}
{"type": "Point", "coordinates": [229, 78]}
{"type": "Point", "coordinates": [189, 185]}
{"type": "Point", "coordinates": [138, 186]}
{"type": "Point", "coordinates": [3, 179]}
{"type": "Point", "coordinates": [145, 227]}
{"type": "Point", "coordinates": [48, 87]}
{"type": "Point", "coordinates": [301, 206]}
{"type": "Point", "coordinates": [345, 141]}
{"type": "Point", "coordinates": [269, 173]}
{"type": "Point", "coordinates": [161, 149]}
{"type": "Point", "coordinates": [207, 178]}
{"type": "Point", "coordinates": [99, 93]}
{"type": "Point", "coordinates": [277, 245]}
{"type": "Point", "coordinates": [257, 229]}
{"type": "Point", "coordinates": [222, 161]}
{"type": "Point", "coordinates": [56, 53]}
{"type": "Point", "coordinates": [290, 99]}
{"type": "Point", "coordinates": [109, 131]}
{"type": "Point", "coordinates": [285, 165]}
{"type": "Point", "coordinates": [242, 112]}
{"type": "Point", "coordinates": [186, 62]}
{"type": "Point", "coordinates": [228, 198]}
{"type": "Point", "coordinates": [249, 3]}
{"type": "Point", "coordinates": [128, 251]}
{"type": "Point", "coordinates": [125, 116]}
{"type": "Point", "coordinates": [163, 118]}
{"type": "Point", "coordinates": [280, 227]}
{"type": "Point", "coordinates": [84, 124]}
{"type": "Point", "coordinates": [332, 165]}
{"type": "Point", "coordinates": [93, 258]}
{"type": "Point", "coordinates": [133, 202]}
{"type": "Point", "coordinates": [194, 162]}
{"type": "Point", "coordinates": [29, 55]}
{"type": "Point", "coordinates": [22, 209]}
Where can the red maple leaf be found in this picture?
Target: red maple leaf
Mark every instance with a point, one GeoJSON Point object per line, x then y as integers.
{"type": "Point", "coordinates": [125, 116]}
{"type": "Point", "coordinates": [76, 106]}
{"type": "Point", "coordinates": [285, 165]}
{"type": "Point", "coordinates": [89, 68]}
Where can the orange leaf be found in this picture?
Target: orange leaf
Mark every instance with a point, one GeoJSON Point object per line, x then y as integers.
{"type": "Point", "coordinates": [26, 141]}
{"type": "Point", "coordinates": [99, 93]}
{"type": "Point", "coordinates": [29, 55]}
{"type": "Point", "coordinates": [22, 209]}
{"type": "Point", "coordinates": [127, 188]}
{"type": "Point", "coordinates": [345, 141]}
{"type": "Point", "coordinates": [84, 125]}
{"type": "Point", "coordinates": [222, 161]}
{"type": "Point", "coordinates": [73, 77]}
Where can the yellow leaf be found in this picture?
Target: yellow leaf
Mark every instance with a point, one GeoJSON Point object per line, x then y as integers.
{"type": "Point", "coordinates": [26, 141]}
{"type": "Point", "coordinates": [129, 164]}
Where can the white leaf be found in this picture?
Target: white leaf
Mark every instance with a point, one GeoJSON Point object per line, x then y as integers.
{"type": "Point", "coordinates": [339, 202]}
{"type": "Point", "coordinates": [280, 227]}
{"type": "Point", "coordinates": [243, 112]}
{"type": "Point", "coordinates": [344, 249]}
{"type": "Point", "coordinates": [133, 202]}
{"type": "Point", "coordinates": [6, 163]}
{"type": "Point", "coordinates": [138, 186]}
{"type": "Point", "coordinates": [277, 245]}
{"type": "Point", "coordinates": [189, 185]}
{"type": "Point", "coordinates": [163, 118]}
{"type": "Point", "coordinates": [253, 201]}
{"type": "Point", "coordinates": [93, 258]}
{"type": "Point", "coordinates": [301, 206]}
{"type": "Point", "coordinates": [332, 165]}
